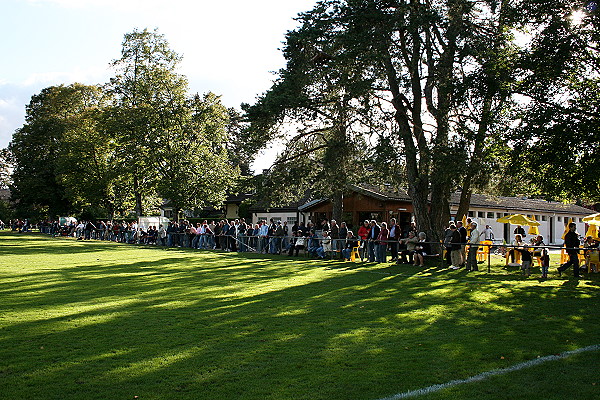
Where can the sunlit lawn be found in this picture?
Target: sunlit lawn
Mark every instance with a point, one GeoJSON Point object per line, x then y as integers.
{"type": "Point", "coordinates": [98, 320]}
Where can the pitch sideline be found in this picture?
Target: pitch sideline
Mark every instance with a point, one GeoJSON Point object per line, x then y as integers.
{"type": "Point", "coordinates": [488, 374]}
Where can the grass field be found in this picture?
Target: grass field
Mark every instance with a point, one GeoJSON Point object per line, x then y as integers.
{"type": "Point", "coordinates": [98, 320]}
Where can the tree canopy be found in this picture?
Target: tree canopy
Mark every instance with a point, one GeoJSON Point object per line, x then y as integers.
{"type": "Point", "coordinates": [130, 143]}
{"type": "Point", "coordinates": [442, 82]}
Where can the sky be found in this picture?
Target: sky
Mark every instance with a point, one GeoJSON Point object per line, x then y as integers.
{"type": "Point", "coordinates": [229, 47]}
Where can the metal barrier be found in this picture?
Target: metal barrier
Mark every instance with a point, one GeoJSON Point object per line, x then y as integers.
{"type": "Point", "coordinates": [273, 244]}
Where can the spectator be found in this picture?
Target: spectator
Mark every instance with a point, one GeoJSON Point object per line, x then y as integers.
{"type": "Point", "coordinates": [572, 248]}
{"type": "Point", "coordinates": [393, 238]}
{"type": "Point", "coordinates": [382, 240]}
{"type": "Point", "coordinates": [373, 235]}
{"type": "Point", "coordinates": [473, 248]}
{"type": "Point", "coordinates": [411, 244]}
{"type": "Point", "coordinates": [351, 243]}
{"type": "Point", "coordinates": [455, 248]}
{"type": "Point", "coordinates": [422, 248]}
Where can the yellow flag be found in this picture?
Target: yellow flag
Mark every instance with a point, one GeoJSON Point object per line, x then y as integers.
{"type": "Point", "coordinates": [533, 229]}
{"type": "Point", "coordinates": [567, 228]}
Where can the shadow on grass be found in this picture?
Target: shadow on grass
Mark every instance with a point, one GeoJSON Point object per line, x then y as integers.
{"type": "Point", "coordinates": [213, 325]}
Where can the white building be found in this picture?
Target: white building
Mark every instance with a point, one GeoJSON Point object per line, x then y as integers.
{"type": "Point", "coordinates": [552, 216]}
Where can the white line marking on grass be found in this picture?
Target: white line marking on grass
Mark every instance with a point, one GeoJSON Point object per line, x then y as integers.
{"type": "Point", "coordinates": [488, 374]}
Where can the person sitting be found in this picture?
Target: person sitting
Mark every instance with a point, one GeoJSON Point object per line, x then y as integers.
{"type": "Point", "coordinates": [422, 248]}
{"type": "Point", "coordinates": [351, 243]}
{"type": "Point", "coordinates": [299, 244]}
{"type": "Point", "coordinates": [325, 247]}
{"type": "Point", "coordinates": [411, 243]}
{"type": "Point", "coordinates": [518, 242]}
{"type": "Point", "coordinates": [313, 243]}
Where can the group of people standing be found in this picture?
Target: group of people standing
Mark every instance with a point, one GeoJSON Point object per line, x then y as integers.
{"type": "Point", "coordinates": [462, 243]}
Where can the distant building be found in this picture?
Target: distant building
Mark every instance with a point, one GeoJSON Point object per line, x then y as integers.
{"type": "Point", "coordinates": [366, 202]}
{"type": "Point", "coordinates": [552, 216]}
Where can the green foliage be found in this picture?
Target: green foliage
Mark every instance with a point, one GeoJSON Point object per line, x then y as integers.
{"type": "Point", "coordinates": [137, 140]}
{"type": "Point", "coordinates": [194, 166]}
{"type": "Point", "coordinates": [556, 143]}
{"type": "Point", "coordinates": [36, 149]}
{"type": "Point", "coordinates": [6, 165]}
{"type": "Point", "coordinates": [6, 211]}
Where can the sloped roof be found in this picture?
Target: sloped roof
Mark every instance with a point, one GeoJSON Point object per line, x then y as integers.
{"type": "Point", "coordinates": [389, 193]}
{"type": "Point", "coordinates": [381, 192]}
{"type": "Point", "coordinates": [519, 203]}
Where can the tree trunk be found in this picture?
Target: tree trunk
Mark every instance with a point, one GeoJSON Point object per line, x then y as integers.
{"type": "Point", "coordinates": [139, 210]}
{"type": "Point", "coordinates": [337, 205]}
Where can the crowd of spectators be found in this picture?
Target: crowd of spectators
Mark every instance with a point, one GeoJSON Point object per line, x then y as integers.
{"type": "Point", "coordinates": [372, 242]}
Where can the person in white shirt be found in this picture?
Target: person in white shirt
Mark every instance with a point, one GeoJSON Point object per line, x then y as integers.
{"type": "Point", "coordinates": [487, 233]}
{"type": "Point", "coordinates": [473, 242]}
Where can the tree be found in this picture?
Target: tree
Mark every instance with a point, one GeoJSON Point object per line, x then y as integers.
{"type": "Point", "coordinates": [88, 165]}
{"type": "Point", "coordinates": [322, 95]}
{"type": "Point", "coordinates": [555, 144]}
{"type": "Point", "coordinates": [36, 150]}
{"type": "Point", "coordinates": [5, 168]}
{"type": "Point", "coordinates": [408, 55]}
{"type": "Point", "coordinates": [149, 104]}
{"type": "Point", "coordinates": [193, 163]}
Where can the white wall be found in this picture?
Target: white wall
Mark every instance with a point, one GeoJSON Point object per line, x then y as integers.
{"type": "Point", "coordinates": [544, 228]}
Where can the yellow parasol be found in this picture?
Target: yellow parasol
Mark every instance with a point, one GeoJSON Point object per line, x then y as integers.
{"type": "Point", "coordinates": [593, 219]}
{"type": "Point", "coordinates": [533, 229]}
{"type": "Point", "coordinates": [593, 232]}
{"type": "Point", "coordinates": [567, 228]}
{"type": "Point", "coordinates": [518, 219]}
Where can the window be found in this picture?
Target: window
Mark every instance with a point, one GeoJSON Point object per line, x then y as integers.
{"type": "Point", "coordinates": [559, 219]}
{"type": "Point", "coordinates": [498, 215]}
{"type": "Point", "coordinates": [537, 217]}
{"type": "Point", "coordinates": [471, 213]}
{"type": "Point", "coordinates": [529, 216]}
{"type": "Point", "coordinates": [490, 215]}
{"type": "Point", "coordinates": [544, 218]}
{"type": "Point", "coordinates": [480, 214]}
{"type": "Point", "coordinates": [580, 219]}
{"type": "Point", "coordinates": [291, 220]}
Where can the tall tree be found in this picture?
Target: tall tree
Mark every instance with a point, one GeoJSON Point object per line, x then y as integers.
{"type": "Point", "coordinates": [321, 95]}
{"type": "Point", "coordinates": [192, 158]}
{"type": "Point", "coordinates": [555, 144]}
{"type": "Point", "coordinates": [88, 165]}
{"type": "Point", "coordinates": [36, 149]}
{"type": "Point", "coordinates": [6, 166]}
{"type": "Point", "coordinates": [150, 99]}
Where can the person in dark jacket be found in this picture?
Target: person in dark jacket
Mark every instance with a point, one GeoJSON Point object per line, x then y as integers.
{"type": "Point", "coordinates": [572, 249]}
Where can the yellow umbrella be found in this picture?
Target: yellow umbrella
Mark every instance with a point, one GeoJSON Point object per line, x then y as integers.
{"type": "Point", "coordinates": [533, 229]}
{"type": "Point", "coordinates": [567, 228]}
{"type": "Point", "coordinates": [593, 219]}
{"type": "Point", "coordinates": [518, 219]}
{"type": "Point", "coordinates": [593, 232]}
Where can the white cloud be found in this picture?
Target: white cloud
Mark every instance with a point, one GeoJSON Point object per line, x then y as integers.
{"type": "Point", "coordinates": [91, 75]}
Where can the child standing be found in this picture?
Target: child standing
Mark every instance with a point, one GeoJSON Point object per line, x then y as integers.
{"type": "Point", "coordinates": [545, 263]}
{"type": "Point", "coordinates": [526, 258]}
